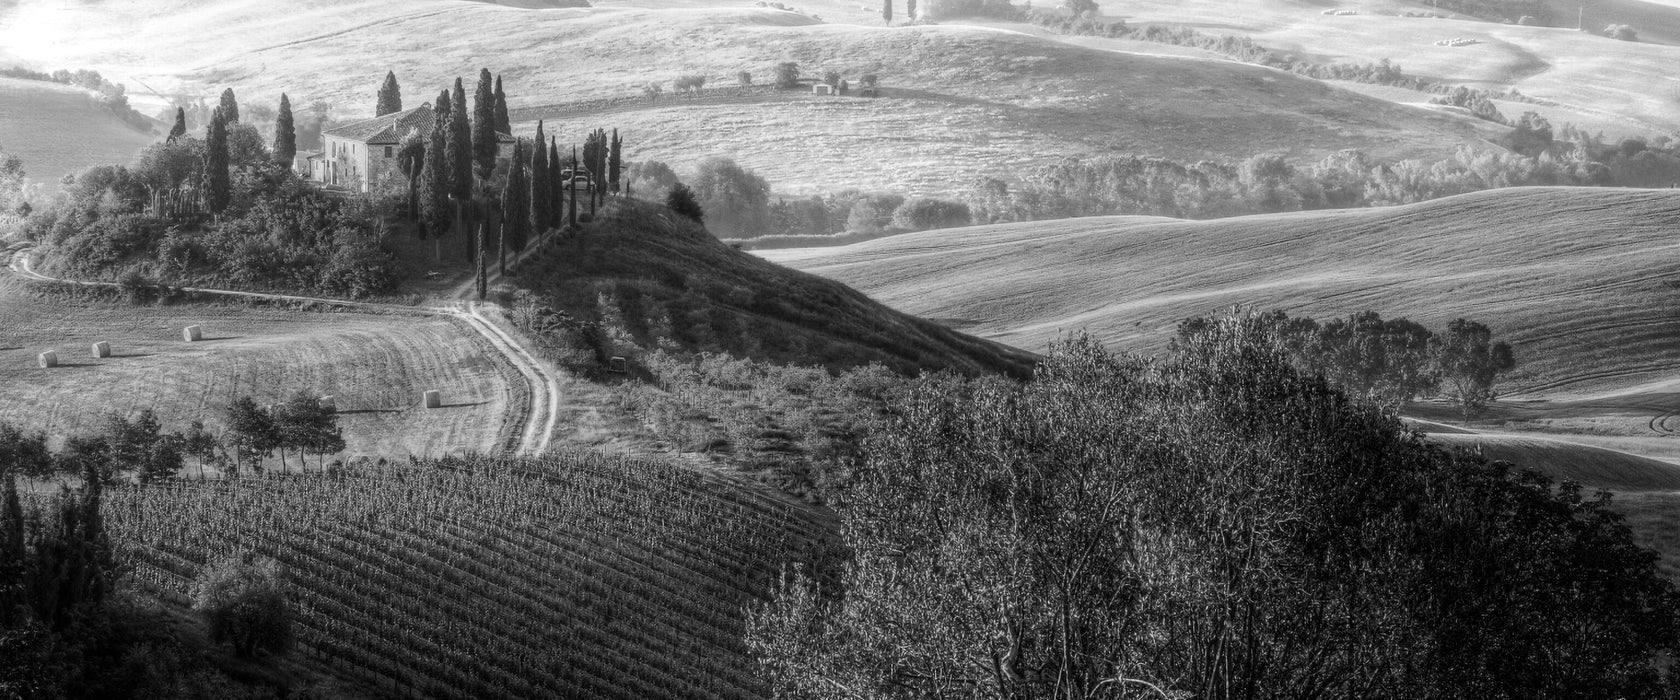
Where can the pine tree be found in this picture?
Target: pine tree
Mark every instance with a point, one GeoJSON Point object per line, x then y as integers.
{"type": "Point", "coordinates": [615, 162]}
{"type": "Point", "coordinates": [180, 128]}
{"type": "Point", "coordinates": [484, 126]}
{"type": "Point", "coordinates": [216, 185]}
{"type": "Point", "coordinates": [390, 96]}
{"type": "Point", "coordinates": [459, 139]}
{"type": "Point", "coordinates": [539, 198]}
{"type": "Point", "coordinates": [434, 178]}
{"type": "Point", "coordinates": [557, 186]}
{"type": "Point", "coordinates": [502, 123]}
{"type": "Point", "coordinates": [516, 208]}
{"type": "Point", "coordinates": [285, 136]}
{"type": "Point", "coordinates": [571, 211]}
{"type": "Point", "coordinates": [229, 107]}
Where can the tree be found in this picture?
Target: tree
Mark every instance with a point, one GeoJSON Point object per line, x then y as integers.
{"type": "Point", "coordinates": [390, 96]}
{"type": "Point", "coordinates": [411, 161]}
{"type": "Point", "coordinates": [886, 11]}
{"type": "Point", "coordinates": [484, 126]}
{"type": "Point", "coordinates": [306, 425]}
{"type": "Point", "coordinates": [247, 149]}
{"type": "Point", "coordinates": [570, 190]}
{"type": "Point", "coordinates": [216, 184]}
{"type": "Point", "coordinates": [516, 208]}
{"type": "Point", "coordinates": [787, 75]}
{"type": "Point", "coordinates": [229, 107]}
{"type": "Point", "coordinates": [252, 432]}
{"type": "Point", "coordinates": [285, 136]}
{"type": "Point", "coordinates": [435, 210]}
{"type": "Point", "coordinates": [681, 200]}
{"type": "Point", "coordinates": [503, 123]}
{"type": "Point", "coordinates": [1211, 524]}
{"type": "Point", "coordinates": [540, 198]}
{"type": "Point", "coordinates": [141, 445]}
{"type": "Point", "coordinates": [736, 200]}
{"type": "Point", "coordinates": [615, 162]}
{"type": "Point", "coordinates": [200, 444]}
{"type": "Point", "coordinates": [460, 148]}
{"type": "Point", "coordinates": [910, 10]}
{"type": "Point", "coordinates": [243, 602]}
{"type": "Point", "coordinates": [743, 78]}
{"type": "Point", "coordinates": [24, 453]}
{"type": "Point", "coordinates": [557, 184]}
{"type": "Point", "coordinates": [1468, 358]}
{"type": "Point", "coordinates": [180, 128]}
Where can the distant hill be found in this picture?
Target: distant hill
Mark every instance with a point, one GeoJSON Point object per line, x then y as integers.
{"type": "Point", "coordinates": [656, 280]}
{"type": "Point", "coordinates": [1582, 281]}
{"type": "Point", "coordinates": [58, 130]}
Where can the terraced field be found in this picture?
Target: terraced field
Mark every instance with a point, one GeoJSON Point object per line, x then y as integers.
{"type": "Point", "coordinates": [575, 576]}
{"type": "Point", "coordinates": [375, 366]}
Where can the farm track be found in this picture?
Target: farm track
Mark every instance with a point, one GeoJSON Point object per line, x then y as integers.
{"type": "Point", "coordinates": [534, 423]}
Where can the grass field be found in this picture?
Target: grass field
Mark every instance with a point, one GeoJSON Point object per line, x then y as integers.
{"type": "Point", "coordinates": [58, 129]}
{"type": "Point", "coordinates": [375, 367]}
{"type": "Point", "coordinates": [968, 100]}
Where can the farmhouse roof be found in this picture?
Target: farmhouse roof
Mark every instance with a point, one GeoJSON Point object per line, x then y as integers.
{"type": "Point", "coordinates": [390, 128]}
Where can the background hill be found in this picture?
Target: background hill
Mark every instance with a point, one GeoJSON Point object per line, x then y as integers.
{"type": "Point", "coordinates": [58, 129]}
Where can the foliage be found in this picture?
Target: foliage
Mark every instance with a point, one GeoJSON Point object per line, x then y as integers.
{"type": "Point", "coordinates": [435, 209]}
{"type": "Point", "coordinates": [681, 200]}
{"type": "Point", "coordinates": [1471, 361]}
{"type": "Point", "coordinates": [305, 425]}
{"type": "Point", "coordinates": [252, 433]}
{"type": "Point", "coordinates": [689, 83]}
{"type": "Point", "coordinates": [541, 216]}
{"type": "Point", "coordinates": [229, 106]}
{"type": "Point", "coordinates": [216, 161]}
{"type": "Point", "coordinates": [921, 213]}
{"type": "Point", "coordinates": [1622, 32]}
{"type": "Point", "coordinates": [243, 602]}
{"type": "Point", "coordinates": [787, 75]}
{"type": "Point", "coordinates": [503, 122]}
{"type": "Point", "coordinates": [516, 204]}
{"type": "Point", "coordinates": [1210, 525]}
{"type": "Point", "coordinates": [484, 142]}
{"type": "Point", "coordinates": [651, 178]}
{"type": "Point", "coordinates": [389, 99]}
{"type": "Point", "coordinates": [743, 78]}
{"type": "Point", "coordinates": [1477, 101]}
{"type": "Point", "coordinates": [459, 148]}
{"type": "Point", "coordinates": [735, 200]}
{"type": "Point", "coordinates": [140, 444]}
{"type": "Point", "coordinates": [285, 134]}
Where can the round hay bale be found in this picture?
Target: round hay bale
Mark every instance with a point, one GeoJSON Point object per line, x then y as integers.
{"type": "Point", "coordinates": [47, 359]}
{"type": "Point", "coordinates": [191, 334]}
{"type": "Point", "coordinates": [434, 399]}
{"type": "Point", "coordinates": [101, 350]}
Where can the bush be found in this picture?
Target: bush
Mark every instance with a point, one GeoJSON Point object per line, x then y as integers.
{"type": "Point", "coordinates": [787, 75]}
{"type": "Point", "coordinates": [736, 201]}
{"type": "Point", "coordinates": [925, 213]}
{"type": "Point", "coordinates": [743, 78]}
{"type": "Point", "coordinates": [243, 602]}
{"type": "Point", "coordinates": [689, 83]}
{"type": "Point", "coordinates": [681, 200]}
{"type": "Point", "coordinates": [1622, 32]}
{"type": "Point", "coordinates": [869, 85]}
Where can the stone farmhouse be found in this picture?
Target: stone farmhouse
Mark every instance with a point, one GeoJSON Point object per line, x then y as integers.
{"type": "Point", "coordinates": [359, 156]}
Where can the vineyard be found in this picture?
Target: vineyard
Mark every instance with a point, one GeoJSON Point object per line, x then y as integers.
{"type": "Point", "coordinates": [579, 575]}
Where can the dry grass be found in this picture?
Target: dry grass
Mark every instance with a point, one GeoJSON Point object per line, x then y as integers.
{"type": "Point", "coordinates": [375, 366]}
{"type": "Point", "coordinates": [1595, 467]}
{"type": "Point", "coordinates": [57, 129]}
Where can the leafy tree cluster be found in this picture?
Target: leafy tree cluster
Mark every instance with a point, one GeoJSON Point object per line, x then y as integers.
{"type": "Point", "coordinates": [1390, 362]}
{"type": "Point", "coordinates": [1213, 524]}
{"type": "Point", "coordinates": [243, 602]}
{"type": "Point", "coordinates": [302, 425]}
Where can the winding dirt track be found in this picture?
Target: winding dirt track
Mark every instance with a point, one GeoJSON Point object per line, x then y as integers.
{"type": "Point", "coordinates": [538, 420]}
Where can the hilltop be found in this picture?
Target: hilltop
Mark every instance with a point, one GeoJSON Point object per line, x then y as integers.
{"type": "Point", "coordinates": [959, 100]}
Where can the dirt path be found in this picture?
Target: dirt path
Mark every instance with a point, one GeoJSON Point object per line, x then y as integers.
{"type": "Point", "coordinates": [537, 420]}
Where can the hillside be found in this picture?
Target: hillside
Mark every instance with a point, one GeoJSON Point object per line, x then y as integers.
{"type": "Point", "coordinates": [961, 101]}
{"type": "Point", "coordinates": [1565, 274]}
{"type": "Point", "coordinates": [653, 280]}
{"type": "Point", "coordinates": [58, 129]}
{"type": "Point", "coordinates": [575, 576]}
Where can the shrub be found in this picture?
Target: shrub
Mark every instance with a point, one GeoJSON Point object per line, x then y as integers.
{"type": "Point", "coordinates": [869, 85]}
{"type": "Point", "coordinates": [831, 78]}
{"type": "Point", "coordinates": [736, 200]}
{"type": "Point", "coordinates": [652, 90]}
{"type": "Point", "coordinates": [681, 200]}
{"type": "Point", "coordinates": [243, 602]}
{"type": "Point", "coordinates": [1622, 32]}
{"type": "Point", "coordinates": [689, 83]}
{"type": "Point", "coordinates": [743, 78]}
{"type": "Point", "coordinates": [787, 75]}
{"type": "Point", "coordinates": [926, 213]}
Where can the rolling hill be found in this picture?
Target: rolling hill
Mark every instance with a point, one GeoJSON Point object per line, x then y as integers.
{"type": "Point", "coordinates": [961, 101]}
{"type": "Point", "coordinates": [57, 130]}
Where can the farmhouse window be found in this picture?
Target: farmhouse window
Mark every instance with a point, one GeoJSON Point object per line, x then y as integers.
{"type": "Point", "coordinates": [387, 151]}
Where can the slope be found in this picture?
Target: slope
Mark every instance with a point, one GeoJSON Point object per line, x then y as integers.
{"type": "Point", "coordinates": [960, 101]}
{"type": "Point", "coordinates": [57, 130]}
{"type": "Point", "coordinates": [654, 280]}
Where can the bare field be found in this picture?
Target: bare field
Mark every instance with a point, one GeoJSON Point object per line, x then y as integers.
{"type": "Point", "coordinates": [58, 129]}
{"type": "Point", "coordinates": [376, 368]}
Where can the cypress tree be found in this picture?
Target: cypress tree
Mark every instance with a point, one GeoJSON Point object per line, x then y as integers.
{"type": "Point", "coordinates": [285, 136]}
{"type": "Point", "coordinates": [460, 160]}
{"type": "Point", "coordinates": [539, 198]}
{"type": "Point", "coordinates": [434, 179]}
{"type": "Point", "coordinates": [390, 96]}
{"type": "Point", "coordinates": [480, 278]}
{"type": "Point", "coordinates": [216, 184]}
{"type": "Point", "coordinates": [502, 123]}
{"type": "Point", "coordinates": [180, 128]}
{"type": "Point", "coordinates": [556, 186]}
{"type": "Point", "coordinates": [615, 162]}
{"type": "Point", "coordinates": [516, 208]}
{"type": "Point", "coordinates": [886, 11]}
{"type": "Point", "coordinates": [910, 10]}
{"type": "Point", "coordinates": [484, 126]}
{"type": "Point", "coordinates": [229, 107]}
{"type": "Point", "coordinates": [571, 212]}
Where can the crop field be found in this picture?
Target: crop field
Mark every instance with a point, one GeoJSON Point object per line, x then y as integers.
{"type": "Point", "coordinates": [57, 129]}
{"type": "Point", "coordinates": [971, 100]}
{"type": "Point", "coordinates": [574, 576]}
{"type": "Point", "coordinates": [375, 367]}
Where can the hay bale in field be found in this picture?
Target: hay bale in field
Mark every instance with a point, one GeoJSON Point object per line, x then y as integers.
{"type": "Point", "coordinates": [101, 350]}
{"type": "Point", "coordinates": [434, 399]}
{"type": "Point", "coordinates": [47, 359]}
{"type": "Point", "coordinates": [328, 403]}
{"type": "Point", "coordinates": [191, 334]}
